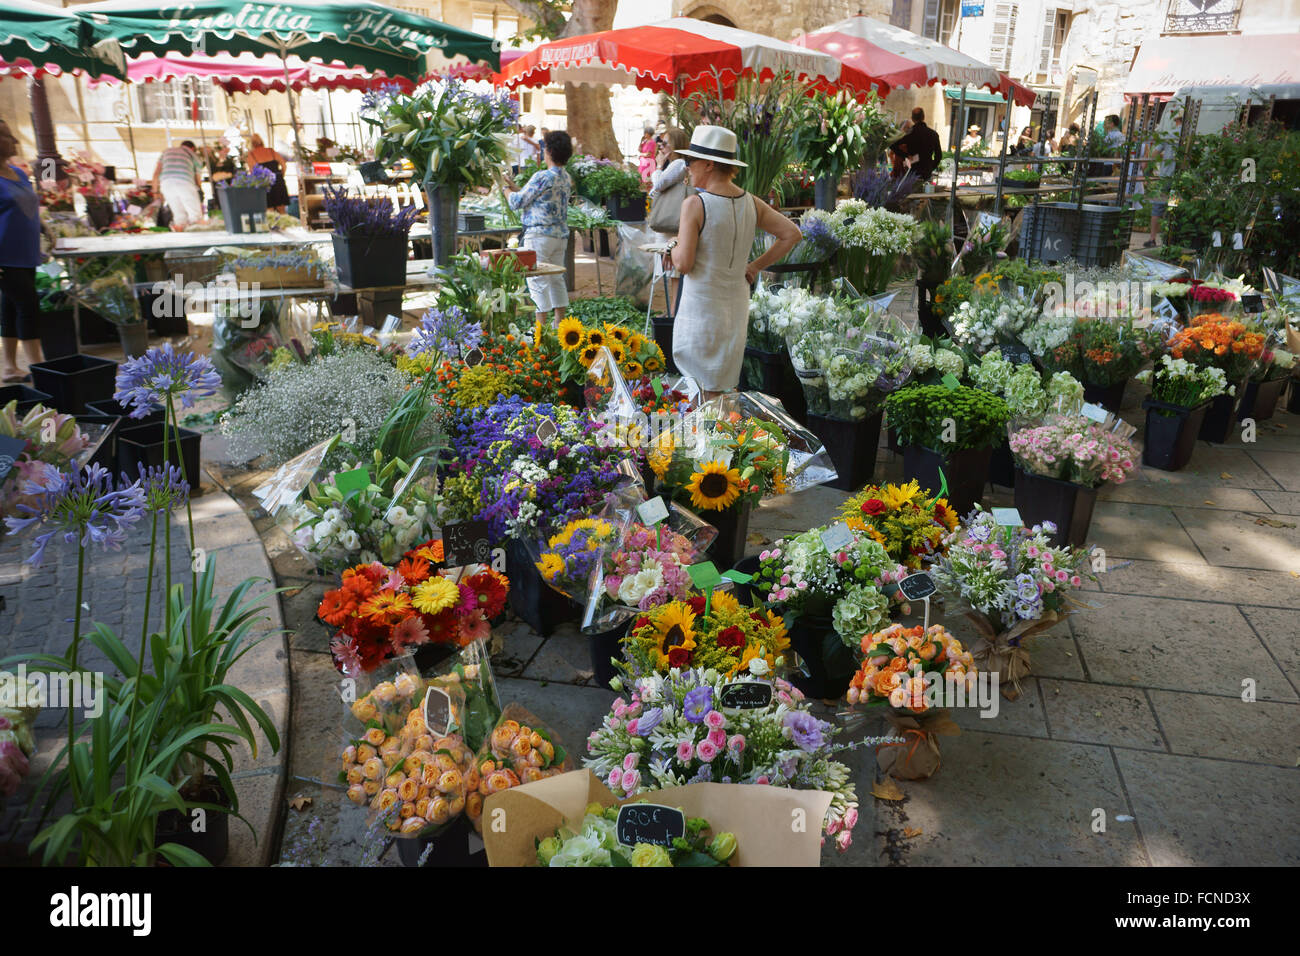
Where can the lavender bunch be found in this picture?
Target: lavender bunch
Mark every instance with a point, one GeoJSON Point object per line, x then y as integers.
{"type": "Point", "coordinates": [879, 190]}
{"type": "Point", "coordinates": [357, 216]}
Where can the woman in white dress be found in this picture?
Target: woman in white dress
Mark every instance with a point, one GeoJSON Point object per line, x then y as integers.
{"type": "Point", "coordinates": [712, 251]}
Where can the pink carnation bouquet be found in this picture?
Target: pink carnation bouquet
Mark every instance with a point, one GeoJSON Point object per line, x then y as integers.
{"type": "Point", "coordinates": [1078, 451]}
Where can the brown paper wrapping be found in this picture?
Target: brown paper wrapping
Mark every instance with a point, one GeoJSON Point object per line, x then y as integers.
{"type": "Point", "coordinates": [769, 831]}
{"type": "Point", "coordinates": [994, 652]}
{"type": "Point", "coordinates": [918, 757]}
{"type": "Point", "coordinates": [1292, 339]}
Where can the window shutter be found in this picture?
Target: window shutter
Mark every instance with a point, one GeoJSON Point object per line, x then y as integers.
{"type": "Point", "coordinates": [1004, 33]}
{"type": "Point", "coordinates": [930, 23]}
{"type": "Point", "coordinates": [1049, 37]}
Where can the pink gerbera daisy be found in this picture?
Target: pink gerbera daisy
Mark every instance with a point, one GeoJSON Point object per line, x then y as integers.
{"type": "Point", "coordinates": [345, 654]}
{"type": "Point", "coordinates": [408, 632]}
{"type": "Point", "coordinates": [474, 627]}
{"type": "Point", "coordinates": [468, 600]}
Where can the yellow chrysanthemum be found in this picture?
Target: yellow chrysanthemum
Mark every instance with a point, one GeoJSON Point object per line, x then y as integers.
{"type": "Point", "coordinates": [571, 334]}
{"type": "Point", "coordinates": [434, 595]}
{"type": "Point", "coordinates": [550, 566]}
{"type": "Point", "coordinates": [714, 487]}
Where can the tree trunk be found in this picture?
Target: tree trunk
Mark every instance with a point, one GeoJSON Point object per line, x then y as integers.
{"type": "Point", "coordinates": [43, 127]}
{"type": "Point", "coordinates": [590, 118]}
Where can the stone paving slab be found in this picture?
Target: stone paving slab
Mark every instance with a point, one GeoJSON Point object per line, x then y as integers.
{"type": "Point", "coordinates": [1101, 714]}
{"type": "Point", "coordinates": [1207, 466]}
{"type": "Point", "coordinates": [1282, 466]}
{"type": "Point", "coordinates": [1244, 540]}
{"type": "Point", "coordinates": [1149, 642]}
{"type": "Point", "coordinates": [1001, 800]}
{"type": "Point", "coordinates": [1277, 629]}
{"type": "Point", "coordinates": [1283, 502]}
{"type": "Point", "coordinates": [1198, 812]}
{"type": "Point", "coordinates": [1230, 728]}
{"type": "Point", "coordinates": [1201, 582]}
{"type": "Point", "coordinates": [1186, 496]}
{"type": "Point", "coordinates": [1141, 531]}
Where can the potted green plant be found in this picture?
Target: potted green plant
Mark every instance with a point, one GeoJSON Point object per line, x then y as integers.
{"type": "Point", "coordinates": [948, 430]}
{"type": "Point", "coordinates": [454, 138]}
{"type": "Point", "coordinates": [613, 185]}
{"type": "Point", "coordinates": [243, 199]}
{"type": "Point", "coordinates": [370, 239]}
{"type": "Point", "coordinates": [58, 326]}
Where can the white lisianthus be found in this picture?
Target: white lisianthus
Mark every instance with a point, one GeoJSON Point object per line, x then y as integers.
{"type": "Point", "coordinates": [350, 540]}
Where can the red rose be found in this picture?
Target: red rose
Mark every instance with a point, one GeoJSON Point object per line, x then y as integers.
{"type": "Point", "coordinates": [678, 656]}
{"type": "Point", "coordinates": [640, 623]}
{"type": "Point", "coordinates": [731, 637]}
{"type": "Point", "coordinates": [873, 506]}
{"type": "Point", "coordinates": [697, 604]}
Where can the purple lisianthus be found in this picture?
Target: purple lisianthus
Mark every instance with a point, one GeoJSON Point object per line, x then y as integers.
{"type": "Point", "coordinates": [147, 382]}
{"type": "Point", "coordinates": [649, 721]}
{"type": "Point", "coordinates": [697, 705]}
{"type": "Point", "coordinates": [82, 503]}
{"type": "Point", "coordinates": [1026, 588]}
{"type": "Point", "coordinates": [805, 730]}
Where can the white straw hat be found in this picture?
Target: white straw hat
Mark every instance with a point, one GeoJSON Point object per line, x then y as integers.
{"type": "Point", "coordinates": [715, 143]}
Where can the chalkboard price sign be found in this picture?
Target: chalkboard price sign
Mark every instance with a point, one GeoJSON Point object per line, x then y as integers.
{"type": "Point", "coordinates": [917, 587]}
{"type": "Point", "coordinates": [466, 543]}
{"type": "Point", "coordinates": [1016, 354]}
{"type": "Point", "coordinates": [437, 712]}
{"type": "Point", "coordinates": [649, 823]}
{"type": "Point", "coordinates": [746, 694]}
{"type": "Point", "coordinates": [1252, 302]}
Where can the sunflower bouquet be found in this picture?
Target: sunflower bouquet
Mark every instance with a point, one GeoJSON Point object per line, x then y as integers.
{"type": "Point", "coordinates": [595, 843]}
{"type": "Point", "coordinates": [678, 730]}
{"type": "Point", "coordinates": [382, 612]}
{"type": "Point", "coordinates": [908, 523]}
{"type": "Point", "coordinates": [728, 638]}
{"type": "Point", "coordinates": [579, 345]}
{"type": "Point", "coordinates": [732, 463]}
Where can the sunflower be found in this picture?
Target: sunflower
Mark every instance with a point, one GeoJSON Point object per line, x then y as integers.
{"type": "Point", "coordinates": [595, 338]}
{"type": "Point", "coordinates": [653, 365]}
{"type": "Point", "coordinates": [571, 334]}
{"type": "Point", "coordinates": [618, 333]}
{"type": "Point", "coordinates": [618, 350]}
{"type": "Point", "coordinates": [550, 566]}
{"type": "Point", "coordinates": [673, 627]}
{"type": "Point", "coordinates": [632, 370]}
{"type": "Point", "coordinates": [714, 487]}
{"type": "Point", "coordinates": [636, 342]}
{"type": "Point", "coordinates": [725, 601]}
{"type": "Point", "coordinates": [434, 595]}
{"type": "Point", "coordinates": [588, 355]}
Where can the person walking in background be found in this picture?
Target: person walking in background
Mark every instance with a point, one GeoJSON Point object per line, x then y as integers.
{"type": "Point", "coordinates": [647, 149]}
{"type": "Point", "coordinates": [899, 161]}
{"type": "Point", "coordinates": [221, 166]}
{"type": "Point", "coordinates": [711, 250]}
{"type": "Point", "coordinates": [20, 254]}
{"type": "Point", "coordinates": [259, 154]}
{"type": "Point", "coordinates": [544, 204]}
{"type": "Point", "coordinates": [919, 148]}
{"type": "Point", "coordinates": [1069, 143]}
{"type": "Point", "coordinates": [177, 178]}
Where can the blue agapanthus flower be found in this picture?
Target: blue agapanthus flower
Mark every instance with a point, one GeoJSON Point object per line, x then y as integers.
{"type": "Point", "coordinates": [82, 504]}
{"type": "Point", "coordinates": [449, 333]}
{"type": "Point", "coordinates": [164, 487]}
{"type": "Point", "coordinates": [145, 383]}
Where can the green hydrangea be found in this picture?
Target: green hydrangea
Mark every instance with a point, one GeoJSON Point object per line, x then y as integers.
{"type": "Point", "coordinates": [863, 609]}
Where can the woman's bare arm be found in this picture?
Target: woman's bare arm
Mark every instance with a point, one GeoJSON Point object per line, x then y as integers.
{"type": "Point", "coordinates": [787, 237]}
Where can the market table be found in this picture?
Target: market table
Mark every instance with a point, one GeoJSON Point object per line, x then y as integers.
{"type": "Point", "coordinates": [152, 243]}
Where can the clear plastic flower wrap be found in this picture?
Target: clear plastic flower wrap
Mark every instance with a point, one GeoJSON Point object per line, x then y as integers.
{"type": "Point", "coordinates": [1081, 444]}
{"type": "Point", "coordinates": [623, 562]}
{"type": "Point", "coordinates": [520, 749]}
{"type": "Point", "coordinates": [808, 463]}
{"type": "Point", "coordinates": [634, 413]}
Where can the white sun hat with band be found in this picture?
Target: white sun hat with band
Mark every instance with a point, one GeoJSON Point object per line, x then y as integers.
{"type": "Point", "coordinates": [713, 142]}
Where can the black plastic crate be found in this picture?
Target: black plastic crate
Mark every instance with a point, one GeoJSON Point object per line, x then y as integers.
{"type": "Point", "coordinates": [1093, 235]}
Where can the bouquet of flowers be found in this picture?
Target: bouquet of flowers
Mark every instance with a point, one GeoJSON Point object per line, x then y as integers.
{"type": "Point", "coordinates": [733, 464]}
{"type": "Point", "coordinates": [527, 469]}
{"type": "Point", "coordinates": [580, 345]}
{"type": "Point", "coordinates": [518, 751]}
{"type": "Point", "coordinates": [1073, 449]}
{"type": "Point", "coordinates": [383, 611]}
{"type": "Point", "coordinates": [1216, 340]}
{"type": "Point", "coordinates": [801, 576]}
{"type": "Point", "coordinates": [51, 437]}
{"type": "Point", "coordinates": [984, 321]}
{"type": "Point", "coordinates": [678, 730]}
{"type": "Point", "coordinates": [1016, 584]}
{"type": "Point", "coordinates": [259, 177]}
{"type": "Point", "coordinates": [899, 666]}
{"type": "Point", "coordinates": [88, 176]}
{"type": "Point", "coordinates": [918, 413]}
{"type": "Point", "coordinates": [56, 196]}
{"type": "Point", "coordinates": [1100, 351]}
{"type": "Point", "coordinates": [871, 241]}
{"type": "Point", "coordinates": [595, 843]}
{"type": "Point", "coordinates": [451, 135]}
{"type": "Point", "coordinates": [1022, 388]}
{"type": "Point", "coordinates": [19, 707]}
{"type": "Point", "coordinates": [908, 523]}
{"type": "Point", "coordinates": [931, 360]}
{"type": "Point", "coordinates": [817, 242]}
{"type": "Point", "coordinates": [107, 285]}
{"type": "Point", "coordinates": [375, 523]}
{"type": "Point", "coordinates": [1176, 381]}
{"type": "Point", "coordinates": [728, 638]}
{"type": "Point", "coordinates": [773, 314]}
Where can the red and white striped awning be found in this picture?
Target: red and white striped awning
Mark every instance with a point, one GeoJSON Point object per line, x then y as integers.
{"type": "Point", "coordinates": [678, 55]}
{"type": "Point", "coordinates": [250, 74]}
{"type": "Point", "coordinates": [875, 52]}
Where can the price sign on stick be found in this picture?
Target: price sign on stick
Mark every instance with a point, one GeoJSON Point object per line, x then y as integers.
{"type": "Point", "coordinates": [437, 712]}
{"type": "Point", "coordinates": [649, 823]}
{"type": "Point", "coordinates": [473, 357]}
{"type": "Point", "coordinates": [1008, 517]}
{"type": "Point", "coordinates": [746, 694]}
{"type": "Point", "coordinates": [1094, 413]}
{"type": "Point", "coordinates": [837, 537]}
{"type": "Point", "coordinates": [652, 511]}
{"type": "Point", "coordinates": [546, 430]}
{"type": "Point", "coordinates": [466, 542]}
{"type": "Point", "coordinates": [737, 577]}
{"type": "Point", "coordinates": [918, 587]}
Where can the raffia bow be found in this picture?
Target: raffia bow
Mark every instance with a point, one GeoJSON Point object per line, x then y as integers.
{"type": "Point", "coordinates": [918, 757]}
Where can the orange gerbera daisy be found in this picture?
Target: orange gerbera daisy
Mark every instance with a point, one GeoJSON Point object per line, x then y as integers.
{"type": "Point", "coordinates": [491, 589]}
{"type": "Point", "coordinates": [413, 569]}
{"type": "Point", "coordinates": [335, 608]}
{"type": "Point", "coordinates": [387, 607]}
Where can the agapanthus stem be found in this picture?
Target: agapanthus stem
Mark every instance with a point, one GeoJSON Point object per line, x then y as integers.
{"type": "Point", "coordinates": [180, 463]}
{"type": "Point", "coordinates": [144, 638]}
{"type": "Point", "coordinates": [76, 636]}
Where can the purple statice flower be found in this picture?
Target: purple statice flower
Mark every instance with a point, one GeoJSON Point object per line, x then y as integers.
{"type": "Point", "coordinates": [449, 333]}
{"type": "Point", "coordinates": [649, 721]}
{"type": "Point", "coordinates": [82, 504]}
{"type": "Point", "coordinates": [703, 775]}
{"type": "Point", "coordinates": [788, 767]}
{"type": "Point", "coordinates": [164, 487]}
{"type": "Point", "coordinates": [805, 730]}
{"type": "Point", "coordinates": [697, 704]}
{"type": "Point", "coordinates": [144, 383]}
